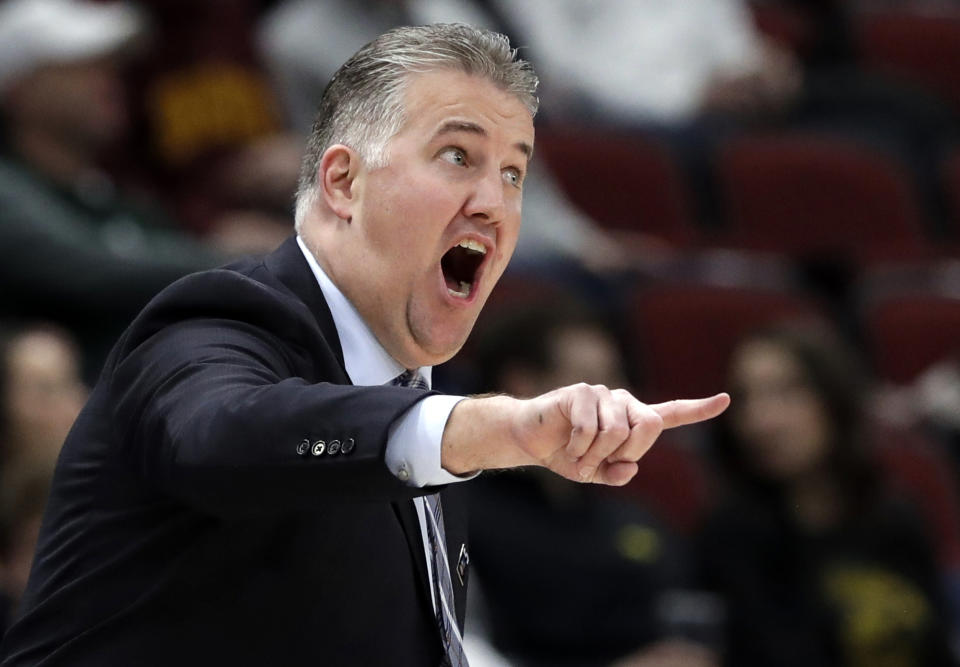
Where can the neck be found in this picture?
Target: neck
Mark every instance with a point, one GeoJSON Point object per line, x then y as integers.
{"type": "Point", "coordinates": [308, 234]}
{"type": "Point", "coordinates": [59, 160]}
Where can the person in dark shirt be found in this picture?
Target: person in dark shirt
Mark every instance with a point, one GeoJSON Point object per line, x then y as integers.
{"type": "Point", "coordinates": [817, 563]}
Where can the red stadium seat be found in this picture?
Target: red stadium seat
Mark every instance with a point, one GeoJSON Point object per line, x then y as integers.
{"type": "Point", "coordinates": [813, 196]}
{"type": "Point", "coordinates": [621, 179]}
{"type": "Point", "coordinates": [918, 46]}
{"type": "Point", "coordinates": [908, 333]}
{"type": "Point", "coordinates": [684, 334]}
{"type": "Point", "coordinates": [921, 473]}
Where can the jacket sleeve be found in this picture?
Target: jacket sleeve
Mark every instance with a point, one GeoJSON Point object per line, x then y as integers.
{"type": "Point", "coordinates": [211, 413]}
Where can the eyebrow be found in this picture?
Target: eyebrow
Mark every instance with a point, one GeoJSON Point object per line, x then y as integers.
{"type": "Point", "coordinates": [452, 126]}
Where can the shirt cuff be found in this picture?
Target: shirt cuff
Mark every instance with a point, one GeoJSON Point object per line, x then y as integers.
{"type": "Point", "coordinates": [413, 446]}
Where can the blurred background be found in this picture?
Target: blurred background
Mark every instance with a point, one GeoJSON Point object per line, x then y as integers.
{"type": "Point", "coordinates": [760, 197]}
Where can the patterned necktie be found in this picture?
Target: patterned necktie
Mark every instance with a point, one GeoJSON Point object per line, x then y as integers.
{"type": "Point", "coordinates": [410, 379]}
{"type": "Point", "coordinates": [439, 563]}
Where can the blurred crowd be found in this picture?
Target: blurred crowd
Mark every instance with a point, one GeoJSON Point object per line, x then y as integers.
{"type": "Point", "coordinates": [760, 197]}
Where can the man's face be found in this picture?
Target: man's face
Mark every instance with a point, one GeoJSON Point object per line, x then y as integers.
{"type": "Point", "coordinates": [432, 231]}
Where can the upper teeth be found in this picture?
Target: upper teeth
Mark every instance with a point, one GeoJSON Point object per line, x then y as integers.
{"type": "Point", "coordinates": [475, 246]}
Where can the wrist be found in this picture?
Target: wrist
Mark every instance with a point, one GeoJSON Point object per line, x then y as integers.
{"type": "Point", "coordinates": [480, 435]}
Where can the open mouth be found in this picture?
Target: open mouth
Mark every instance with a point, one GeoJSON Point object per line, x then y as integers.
{"type": "Point", "coordinates": [460, 266]}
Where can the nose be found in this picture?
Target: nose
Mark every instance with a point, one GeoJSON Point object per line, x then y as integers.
{"type": "Point", "coordinates": [486, 201]}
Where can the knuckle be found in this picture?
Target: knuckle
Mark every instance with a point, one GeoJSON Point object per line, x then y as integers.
{"type": "Point", "coordinates": [583, 431]}
{"type": "Point", "coordinates": [651, 422]}
{"type": "Point", "coordinates": [657, 423]}
{"type": "Point", "coordinates": [582, 393]}
{"type": "Point", "coordinates": [589, 429]}
{"type": "Point", "coordinates": [619, 432]}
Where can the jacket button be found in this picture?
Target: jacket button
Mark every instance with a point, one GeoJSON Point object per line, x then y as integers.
{"type": "Point", "coordinates": [319, 447]}
{"type": "Point", "coordinates": [303, 448]}
{"type": "Point", "coordinates": [347, 446]}
{"type": "Point", "coordinates": [333, 448]}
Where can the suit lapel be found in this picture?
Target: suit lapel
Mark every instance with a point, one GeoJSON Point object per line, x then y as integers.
{"type": "Point", "coordinates": [407, 515]}
{"type": "Point", "coordinates": [288, 264]}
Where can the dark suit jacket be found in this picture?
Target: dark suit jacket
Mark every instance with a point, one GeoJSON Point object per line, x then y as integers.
{"type": "Point", "coordinates": [189, 525]}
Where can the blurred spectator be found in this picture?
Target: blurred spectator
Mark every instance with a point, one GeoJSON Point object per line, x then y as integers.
{"type": "Point", "coordinates": [816, 561]}
{"type": "Point", "coordinates": [23, 497]}
{"type": "Point", "coordinates": [72, 248]}
{"type": "Point", "coordinates": [208, 127]}
{"type": "Point", "coordinates": [570, 575]}
{"type": "Point", "coordinates": [668, 63]}
{"type": "Point", "coordinates": [932, 399]}
{"type": "Point", "coordinates": [654, 61]}
{"type": "Point", "coordinates": [646, 62]}
{"type": "Point", "coordinates": [696, 72]}
{"type": "Point", "coordinates": [41, 394]}
{"type": "Point", "coordinates": [304, 42]}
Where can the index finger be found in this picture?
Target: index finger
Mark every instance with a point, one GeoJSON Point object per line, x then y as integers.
{"type": "Point", "coordinates": [691, 410]}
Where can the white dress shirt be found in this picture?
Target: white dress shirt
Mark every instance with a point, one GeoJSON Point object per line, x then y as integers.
{"type": "Point", "coordinates": [413, 446]}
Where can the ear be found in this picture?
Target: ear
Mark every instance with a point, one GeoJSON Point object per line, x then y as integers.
{"type": "Point", "coordinates": [337, 171]}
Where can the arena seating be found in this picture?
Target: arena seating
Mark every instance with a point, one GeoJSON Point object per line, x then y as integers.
{"type": "Point", "coordinates": [622, 179]}
{"type": "Point", "coordinates": [809, 195]}
{"type": "Point", "coordinates": [909, 332]}
{"type": "Point", "coordinates": [921, 472]}
{"type": "Point", "coordinates": [915, 45]}
{"type": "Point", "coordinates": [685, 333]}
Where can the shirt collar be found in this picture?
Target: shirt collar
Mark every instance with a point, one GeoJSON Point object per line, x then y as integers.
{"type": "Point", "coordinates": [366, 361]}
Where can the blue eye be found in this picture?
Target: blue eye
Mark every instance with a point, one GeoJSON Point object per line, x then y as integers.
{"type": "Point", "coordinates": [455, 156]}
{"type": "Point", "coordinates": [512, 176]}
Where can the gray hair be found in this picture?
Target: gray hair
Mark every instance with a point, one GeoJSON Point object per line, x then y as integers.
{"type": "Point", "coordinates": [362, 106]}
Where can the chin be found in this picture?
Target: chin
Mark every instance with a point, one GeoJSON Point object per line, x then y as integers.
{"type": "Point", "coordinates": [438, 354]}
{"type": "Point", "coordinates": [437, 350]}
{"type": "Point", "coordinates": [440, 339]}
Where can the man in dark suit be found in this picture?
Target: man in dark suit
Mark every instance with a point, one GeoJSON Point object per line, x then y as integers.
{"type": "Point", "coordinates": [239, 488]}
